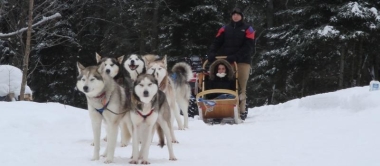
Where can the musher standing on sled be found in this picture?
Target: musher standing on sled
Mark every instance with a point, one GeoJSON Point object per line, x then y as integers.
{"type": "Point", "coordinates": [236, 41]}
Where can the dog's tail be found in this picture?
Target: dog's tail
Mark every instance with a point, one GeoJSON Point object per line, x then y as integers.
{"type": "Point", "coordinates": [182, 72]}
{"type": "Point", "coordinates": [161, 138]}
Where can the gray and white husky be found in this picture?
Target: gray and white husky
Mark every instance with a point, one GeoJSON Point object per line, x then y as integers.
{"type": "Point", "coordinates": [178, 91]}
{"type": "Point", "coordinates": [112, 67]}
{"type": "Point", "coordinates": [149, 109]}
{"type": "Point", "coordinates": [106, 101]}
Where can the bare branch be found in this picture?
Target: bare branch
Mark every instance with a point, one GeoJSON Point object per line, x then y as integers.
{"type": "Point", "coordinates": [44, 19]}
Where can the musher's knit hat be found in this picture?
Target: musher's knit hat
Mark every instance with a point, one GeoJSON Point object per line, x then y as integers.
{"type": "Point", "coordinates": [238, 11]}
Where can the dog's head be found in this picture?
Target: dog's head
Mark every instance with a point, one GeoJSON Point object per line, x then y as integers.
{"type": "Point", "coordinates": [158, 69]}
{"type": "Point", "coordinates": [145, 88]}
{"type": "Point", "coordinates": [134, 63]}
{"type": "Point", "coordinates": [90, 80]}
{"type": "Point", "coordinates": [108, 65]}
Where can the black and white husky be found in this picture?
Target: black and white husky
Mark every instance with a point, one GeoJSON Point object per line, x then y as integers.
{"type": "Point", "coordinates": [111, 66]}
{"type": "Point", "coordinates": [133, 65]}
{"type": "Point", "coordinates": [106, 101]}
{"type": "Point", "coordinates": [149, 109]}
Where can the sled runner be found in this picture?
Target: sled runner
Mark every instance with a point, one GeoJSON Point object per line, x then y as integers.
{"type": "Point", "coordinates": [221, 109]}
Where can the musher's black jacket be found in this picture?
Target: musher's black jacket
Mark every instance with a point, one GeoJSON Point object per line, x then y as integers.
{"type": "Point", "coordinates": [234, 40]}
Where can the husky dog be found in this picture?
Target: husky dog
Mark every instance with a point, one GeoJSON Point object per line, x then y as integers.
{"type": "Point", "coordinates": [105, 101]}
{"type": "Point", "coordinates": [178, 93]}
{"type": "Point", "coordinates": [149, 108]}
{"type": "Point", "coordinates": [111, 67]}
{"type": "Point", "coordinates": [183, 74]}
{"type": "Point", "coordinates": [133, 64]}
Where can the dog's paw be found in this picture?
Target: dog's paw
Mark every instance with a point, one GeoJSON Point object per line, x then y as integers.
{"type": "Point", "coordinates": [175, 141]}
{"type": "Point", "coordinates": [123, 145]}
{"type": "Point", "coordinates": [145, 162]}
{"type": "Point", "coordinates": [92, 144]}
{"type": "Point", "coordinates": [181, 128]}
{"type": "Point", "coordinates": [173, 159]}
{"type": "Point", "coordinates": [133, 162]}
{"type": "Point", "coordinates": [161, 145]}
{"type": "Point", "coordinates": [95, 158]}
{"type": "Point", "coordinates": [107, 161]}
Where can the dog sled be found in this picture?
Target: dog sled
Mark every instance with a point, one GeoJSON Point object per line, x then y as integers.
{"type": "Point", "coordinates": [217, 109]}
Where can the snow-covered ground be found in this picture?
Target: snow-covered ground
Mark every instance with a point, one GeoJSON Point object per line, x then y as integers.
{"type": "Point", "coordinates": [334, 129]}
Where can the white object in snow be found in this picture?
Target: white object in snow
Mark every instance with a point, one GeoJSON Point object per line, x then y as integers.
{"type": "Point", "coordinates": [10, 81]}
{"type": "Point", "coordinates": [374, 85]}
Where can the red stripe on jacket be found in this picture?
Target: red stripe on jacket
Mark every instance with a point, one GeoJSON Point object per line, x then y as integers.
{"type": "Point", "coordinates": [221, 30]}
{"type": "Point", "coordinates": [250, 33]}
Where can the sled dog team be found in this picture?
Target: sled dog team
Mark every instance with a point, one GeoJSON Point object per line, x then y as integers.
{"type": "Point", "coordinates": [136, 94]}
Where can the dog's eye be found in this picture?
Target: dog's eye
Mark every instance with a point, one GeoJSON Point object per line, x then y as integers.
{"type": "Point", "coordinates": [83, 79]}
{"type": "Point", "coordinates": [112, 64]}
{"type": "Point", "coordinates": [150, 84]}
{"type": "Point", "coordinates": [159, 68]}
{"type": "Point", "coordinates": [92, 79]}
{"type": "Point", "coordinates": [141, 85]}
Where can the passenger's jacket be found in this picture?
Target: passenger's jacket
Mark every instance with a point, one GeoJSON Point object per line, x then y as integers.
{"type": "Point", "coordinates": [215, 82]}
{"type": "Point", "coordinates": [235, 39]}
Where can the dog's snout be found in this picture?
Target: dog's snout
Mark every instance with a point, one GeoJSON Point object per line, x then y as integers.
{"type": "Point", "coordinates": [146, 93]}
{"type": "Point", "coordinates": [85, 88]}
{"type": "Point", "coordinates": [132, 62]}
{"type": "Point", "coordinates": [108, 71]}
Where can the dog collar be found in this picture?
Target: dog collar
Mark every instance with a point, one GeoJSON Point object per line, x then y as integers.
{"type": "Point", "coordinates": [101, 95]}
{"type": "Point", "coordinates": [145, 116]}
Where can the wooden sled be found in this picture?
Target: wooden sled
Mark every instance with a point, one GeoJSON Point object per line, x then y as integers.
{"type": "Point", "coordinates": [224, 108]}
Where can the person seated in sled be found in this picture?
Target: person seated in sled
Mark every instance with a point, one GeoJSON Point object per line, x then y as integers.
{"type": "Point", "coordinates": [221, 76]}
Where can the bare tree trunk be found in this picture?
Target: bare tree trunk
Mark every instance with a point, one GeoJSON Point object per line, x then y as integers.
{"type": "Point", "coordinates": [376, 67]}
{"type": "Point", "coordinates": [360, 62]}
{"type": "Point", "coordinates": [143, 32]}
{"type": "Point", "coordinates": [155, 27]}
{"type": "Point", "coordinates": [142, 42]}
{"type": "Point", "coordinates": [27, 50]}
{"type": "Point", "coordinates": [270, 15]}
{"type": "Point", "coordinates": [353, 78]}
{"type": "Point", "coordinates": [341, 69]}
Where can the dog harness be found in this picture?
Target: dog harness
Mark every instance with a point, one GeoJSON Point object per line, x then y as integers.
{"type": "Point", "coordinates": [145, 116]}
{"type": "Point", "coordinates": [101, 110]}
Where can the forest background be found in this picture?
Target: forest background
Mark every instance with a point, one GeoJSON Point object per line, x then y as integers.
{"type": "Point", "coordinates": [303, 47]}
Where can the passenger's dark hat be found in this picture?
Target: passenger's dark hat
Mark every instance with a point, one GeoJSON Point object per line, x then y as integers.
{"type": "Point", "coordinates": [237, 10]}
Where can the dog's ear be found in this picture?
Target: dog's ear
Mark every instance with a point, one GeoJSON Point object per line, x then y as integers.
{"type": "Point", "coordinates": [80, 67]}
{"type": "Point", "coordinates": [120, 59]}
{"type": "Point", "coordinates": [98, 57]}
{"type": "Point", "coordinates": [99, 69]}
